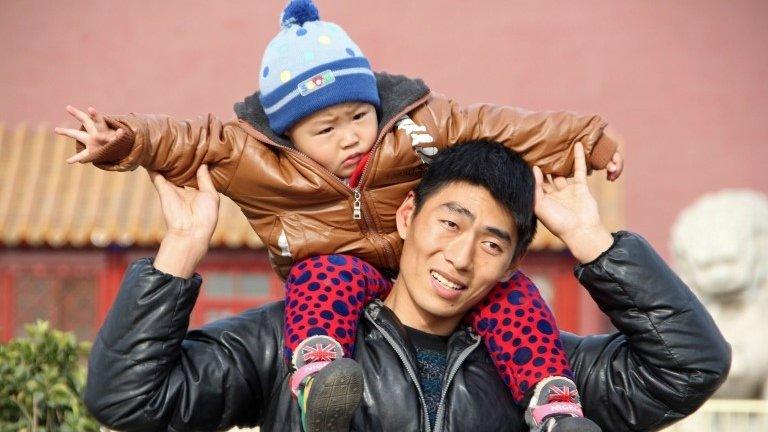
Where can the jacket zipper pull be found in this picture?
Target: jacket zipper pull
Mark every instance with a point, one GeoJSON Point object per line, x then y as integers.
{"type": "Point", "coordinates": [357, 213]}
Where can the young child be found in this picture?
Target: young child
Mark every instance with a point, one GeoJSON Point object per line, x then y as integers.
{"type": "Point", "coordinates": [319, 160]}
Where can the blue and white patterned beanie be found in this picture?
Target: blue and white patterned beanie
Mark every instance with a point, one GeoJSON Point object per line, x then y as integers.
{"type": "Point", "coordinates": [311, 65]}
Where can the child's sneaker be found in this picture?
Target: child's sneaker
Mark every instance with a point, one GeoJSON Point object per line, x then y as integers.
{"type": "Point", "coordinates": [328, 388]}
{"type": "Point", "coordinates": [329, 396]}
{"type": "Point", "coordinates": [314, 349]}
{"type": "Point", "coordinates": [556, 407]}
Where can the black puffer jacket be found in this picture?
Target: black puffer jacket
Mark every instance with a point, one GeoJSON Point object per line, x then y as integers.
{"type": "Point", "coordinates": [146, 373]}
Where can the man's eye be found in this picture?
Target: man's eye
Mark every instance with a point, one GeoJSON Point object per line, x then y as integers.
{"type": "Point", "coordinates": [494, 247]}
{"type": "Point", "coordinates": [358, 116]}
{"type": "Point", "coordinates": [449, 224]}
{"type": "Point", "coordinates": [325, 131]}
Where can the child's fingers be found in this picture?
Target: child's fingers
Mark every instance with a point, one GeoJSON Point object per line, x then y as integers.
{"type": "Point", "coordinates": [204, 182]}
{"type": "Point", "coordinates": [97, 117]}
{"type": "Point", "coordinates": [79, 157]}
{"type": "Point", "coordinates": [77, 134]}
{"type": "Point", "coordinates": [84, 118]}
{"type": "Point", "coordinates": [106, 137]}
{"type": "Point", "coordinates": [617, 164]}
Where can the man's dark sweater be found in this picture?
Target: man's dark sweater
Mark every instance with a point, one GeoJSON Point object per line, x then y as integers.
{"type": "Point", "coordinates": [431, 359]}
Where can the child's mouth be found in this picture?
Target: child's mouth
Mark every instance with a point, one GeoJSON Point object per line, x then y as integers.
{"type": "Point", "coordinates": [352, 160]}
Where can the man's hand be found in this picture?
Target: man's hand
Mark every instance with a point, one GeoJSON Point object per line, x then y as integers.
{"type": "Point", "coordinates": [96, 135]}
{"type": "Point", "coordinates": [190, 218]}
{"type": "Point", "coordinates": [568, 210]}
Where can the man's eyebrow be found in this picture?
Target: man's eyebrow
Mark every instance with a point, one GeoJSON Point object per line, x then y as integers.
{"type": "Point", "coordinates": [500, 233]}
{"type": "Point", "coordinates": [458, 208]}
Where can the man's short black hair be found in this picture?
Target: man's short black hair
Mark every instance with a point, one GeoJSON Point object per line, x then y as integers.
{"type": "Point", "coordinates": [488, 164]}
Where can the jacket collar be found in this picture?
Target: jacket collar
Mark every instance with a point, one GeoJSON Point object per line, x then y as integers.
{"type": "Point", "coordinates": [396, 92]}
{"type": "Point", "coordinates": [461, 339]}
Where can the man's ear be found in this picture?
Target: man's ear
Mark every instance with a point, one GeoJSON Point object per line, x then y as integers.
{"type": "Point", "coordinates": [511, 270]}
{"type": "Point", "coordinates": [404, 214]}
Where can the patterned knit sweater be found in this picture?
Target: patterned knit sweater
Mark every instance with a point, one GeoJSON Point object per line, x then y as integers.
{"type": "Point", "coordinates": [431, 360]}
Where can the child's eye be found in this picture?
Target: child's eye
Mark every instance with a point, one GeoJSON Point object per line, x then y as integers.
{"type": "Point", "coordinates": [360, 115]}
{"type": "Point", "coordinates": [325, 131]}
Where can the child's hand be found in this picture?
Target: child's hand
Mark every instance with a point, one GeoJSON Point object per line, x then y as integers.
{"type": "Point", "coordinates": [614, 167]}
{"type": "Point", "coordinates": [96, 135]}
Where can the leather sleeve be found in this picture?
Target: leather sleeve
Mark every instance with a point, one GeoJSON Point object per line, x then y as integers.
{"type": "Point", "coordinates": [146, 373]}
{"type": "Point", "coordinates": [174, 148]}
{"type": "Point", "coordinates": [668, 357]}
{"type": "Point", "coordinates": [544, 138]}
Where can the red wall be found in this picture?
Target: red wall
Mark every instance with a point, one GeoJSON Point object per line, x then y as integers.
{"type": "Point", "coordinates": [684, 82]}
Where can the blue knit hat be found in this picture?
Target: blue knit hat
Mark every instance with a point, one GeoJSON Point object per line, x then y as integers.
{"type": "Point", "coordinates": [311, 65]}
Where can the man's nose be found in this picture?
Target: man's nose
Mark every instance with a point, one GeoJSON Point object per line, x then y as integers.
{"type": "Point", "coordinates": [459, 252]}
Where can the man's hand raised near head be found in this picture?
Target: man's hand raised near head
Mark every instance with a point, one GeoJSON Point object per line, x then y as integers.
{"type": "Point", "coordinates": [566, 207]}
{"type": "Point", "coordinates": [97, 133]}
{"type": "Point", "coordinates": [190, 218]}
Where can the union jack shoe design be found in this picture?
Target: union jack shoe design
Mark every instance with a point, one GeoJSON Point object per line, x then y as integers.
{"type": "Point", "coordinates": [556, 407]}
{"type": "Point", "coordinates": [316, 349]}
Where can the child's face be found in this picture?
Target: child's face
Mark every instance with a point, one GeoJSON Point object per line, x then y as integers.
{"type": "Point", "coordinates": [338, 136]}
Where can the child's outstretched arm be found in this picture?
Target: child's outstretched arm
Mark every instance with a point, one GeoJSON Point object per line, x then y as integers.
{"type": "Point", "coordinates": [176, 149]}
{"type": "Point", "coordinates": [545, 138]}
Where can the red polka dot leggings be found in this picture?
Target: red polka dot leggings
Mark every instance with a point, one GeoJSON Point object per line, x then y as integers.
{"type": "Point", "coordinates": [325, 295]}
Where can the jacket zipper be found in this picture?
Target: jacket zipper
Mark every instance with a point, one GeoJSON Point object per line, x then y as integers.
{"type": "Point", "coordinates": [356, 212]}
{"type": "Point", "coordinates": [383, 244]}
{"type": "Point", "coordinates": [441, 407]}
{"type": "Point", "coordinates": [407, 365]}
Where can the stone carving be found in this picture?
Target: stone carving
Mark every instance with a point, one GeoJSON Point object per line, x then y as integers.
{"type": "Point", "coordinates": [720, 249]}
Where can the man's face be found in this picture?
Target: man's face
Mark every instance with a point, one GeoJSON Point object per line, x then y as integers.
{"type": "Point", "coordinates": [338, 136]}
{"type": "Point", "coordinates": [459, 245]}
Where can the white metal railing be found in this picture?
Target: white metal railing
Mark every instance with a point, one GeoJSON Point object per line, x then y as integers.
{"type": "Point", "coordinates": [726, 415]}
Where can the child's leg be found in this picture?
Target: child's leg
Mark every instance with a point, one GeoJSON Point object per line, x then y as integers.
{"type": "Point", "coordinates": [521, 335]}
{"type": "Point", "coordinates": [325, 295]}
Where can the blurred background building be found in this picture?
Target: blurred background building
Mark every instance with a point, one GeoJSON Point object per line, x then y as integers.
{"type": "Point", "coordinates": [684, 83]}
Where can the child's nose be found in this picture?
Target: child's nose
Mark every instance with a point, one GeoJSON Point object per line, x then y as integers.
{"type": "Point", "coordinates": [350, 139]}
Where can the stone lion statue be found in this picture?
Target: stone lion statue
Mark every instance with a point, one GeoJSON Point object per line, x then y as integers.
{"type": "Point", "coordinates": [720, 249]}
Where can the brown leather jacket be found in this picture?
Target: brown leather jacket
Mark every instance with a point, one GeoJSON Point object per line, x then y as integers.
{"type": "Point", "coordinates": [300, 209]}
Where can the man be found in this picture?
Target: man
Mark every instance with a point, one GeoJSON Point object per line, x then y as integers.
{"type": "Point", "coordinates": [146, 373]}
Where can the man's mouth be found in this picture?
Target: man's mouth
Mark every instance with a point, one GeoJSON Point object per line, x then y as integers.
{"type": "Point", "coordinates": [447, 283]}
